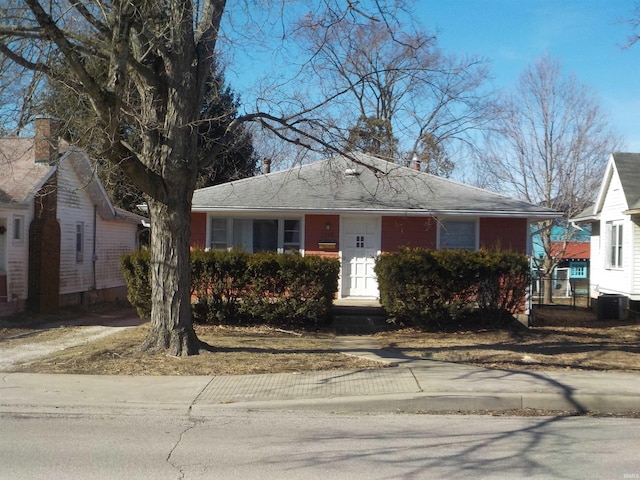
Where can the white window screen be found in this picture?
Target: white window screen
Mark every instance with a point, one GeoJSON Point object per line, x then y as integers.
{"type": "Point", "coordinates": [79, 242]}
{"type": "Point", "coordinates": [291, 235]}
{"type": "Point", "coordinates": [616, 245]}
{"type": "Point", "coordinates": [18, 228]}
{"type": "Point", "coordinates": [255, 235]}
{"type": "Point", "coordinates": [459, 235]}
{"type": "Point", "coordinates": [218, 233]}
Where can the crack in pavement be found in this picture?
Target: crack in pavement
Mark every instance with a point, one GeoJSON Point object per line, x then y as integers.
{"type": "Point", "coordinates": [180, 468]}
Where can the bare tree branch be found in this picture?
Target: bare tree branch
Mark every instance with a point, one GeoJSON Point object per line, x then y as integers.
{"type": "Point", "coordinates": [549, 146]}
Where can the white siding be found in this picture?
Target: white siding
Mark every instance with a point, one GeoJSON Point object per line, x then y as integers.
{"type": "Point", "coordinates": [597, 261]}
{"type": "Point", "coordinates": [113, 239]}
{"type": "Point", "coordinates": [104, 240]}
{"type": "Point", "coordinates": [74, 205]}
{"type": "Point", "coordinates": [635, 289]}
{"type": "Point", "coordinates": [605, 279]}
{"type": "Point", "coordinates": [17, 253]}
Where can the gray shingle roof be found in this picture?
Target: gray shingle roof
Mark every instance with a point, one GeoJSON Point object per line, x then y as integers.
{"type": "Point", "coordinates": [20, 176]}
{"type": "Point", "coordinates": [371, 185]}
{"type": "Point", "coordinates": [628, 167]}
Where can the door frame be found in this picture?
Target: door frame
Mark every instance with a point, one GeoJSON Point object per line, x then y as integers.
{"type": "Point", "coordinates": [4, 242]}
{"type": "Point", "coordinates": [344, 221]}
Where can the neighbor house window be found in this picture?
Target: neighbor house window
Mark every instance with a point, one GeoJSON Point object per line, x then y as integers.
{"type": "Point", "coordinates": [255, 234]}
{"type": "Point", "coordinates": [615, 239]}
{"type": "Point", "coordinates": [458, 235]}
{"type": "Point", "coordinates": [79, 242]}
{"type": "Point", "coordinates": [18, 228]}
{"type": "Point", "coordinates": [578, 269]}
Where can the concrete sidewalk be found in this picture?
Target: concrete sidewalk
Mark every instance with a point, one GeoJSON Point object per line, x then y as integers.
{"type": "Point", "coordinates": [405, 385]}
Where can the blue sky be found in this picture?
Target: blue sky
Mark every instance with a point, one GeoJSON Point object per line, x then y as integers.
{"type": "Point", "coordinates": [585, 35]}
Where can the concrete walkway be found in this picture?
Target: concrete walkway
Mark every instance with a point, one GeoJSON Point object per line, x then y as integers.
{"type": "Point", "coordinates": [406, 385]}
{"type": "Point", "coordinates": [87, 329]}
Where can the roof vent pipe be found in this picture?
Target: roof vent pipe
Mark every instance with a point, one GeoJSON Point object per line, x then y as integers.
{"type": "Point", "coordinates": [267, 165]}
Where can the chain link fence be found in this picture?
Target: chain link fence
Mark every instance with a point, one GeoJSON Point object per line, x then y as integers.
{"type": "Point", "coordinates": [560, 289]}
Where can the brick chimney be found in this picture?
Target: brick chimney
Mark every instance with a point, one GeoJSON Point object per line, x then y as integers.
{"type": "Point", "coordinates": [416, 163]}
{"type": "Point", "coordinates": [46, 140]}
{"type": "Point", "coordinates": [267, 165]}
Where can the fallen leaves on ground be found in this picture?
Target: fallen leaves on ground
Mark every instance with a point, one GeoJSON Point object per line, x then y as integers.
{"type": "Point", "coordinates": [562, 339]}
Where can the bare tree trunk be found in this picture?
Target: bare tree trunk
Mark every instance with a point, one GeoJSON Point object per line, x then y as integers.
{"type": "Point", "coordinates": [548, 289]}
{"type": "Point", "coordinates": [171, 328]}
{"type": "Point", "coordinates": [548, 267]}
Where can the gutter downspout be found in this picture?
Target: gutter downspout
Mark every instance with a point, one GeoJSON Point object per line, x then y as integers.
{"type": "Point", "coordinates": [94, 256]}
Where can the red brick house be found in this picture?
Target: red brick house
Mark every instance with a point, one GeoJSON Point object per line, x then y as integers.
{"type": "Point", "coordinates": [355, 210]}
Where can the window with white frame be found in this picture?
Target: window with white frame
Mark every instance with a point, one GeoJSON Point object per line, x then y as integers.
{"type": "Point", "coordinates": [18, 228]}
{"type": "Point", "coordinates": [79, 242]}
{"type": "Point", "coordinates": [218, 233]}
{"type": "Point", "coordinates": [615, 244]}
{"type": "Point", "coordinates": [458, 234]}
{"type": "Point", "coordinates": [291, 241]}
{"type": "Point", "coordinates": [255, 234]}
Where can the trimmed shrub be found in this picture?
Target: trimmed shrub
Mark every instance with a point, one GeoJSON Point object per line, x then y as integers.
{"type": "Point", "coordinates": [234, 287]}
{"type": "Point", "coordinates": [289, 290]}
{"type": "Point", "coordinates": [435, 289]}
{"type": "Point", "coordinates": [217, 280]}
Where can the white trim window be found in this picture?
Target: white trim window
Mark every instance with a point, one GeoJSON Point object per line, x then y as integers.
{"type": "Point", "coordinates": [18, 229]}
{"type": "Point", "coordinates": [79, 242]}
{"type": "Point", "coordinates": [292, 236]}
{"type": "Point", "coordinates": [218, 233]}
{"type": "Point", "coordinates": [615, 241]}
{"type": "Point", "coordinates": [458, 234]}
{"type": "Point", "coordinates": [255, 234]}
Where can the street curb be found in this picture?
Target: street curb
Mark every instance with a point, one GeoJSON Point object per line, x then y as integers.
{"type": "Point", "coordinates": [441, 402]}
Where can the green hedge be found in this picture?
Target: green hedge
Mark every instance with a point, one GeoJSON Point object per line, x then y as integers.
{"type": "Point", "coordinates": [439, 288]}
{"type": "Point", "coordinates": [234, 287]}
{"type": "Point", "coordinates": [137, 275]}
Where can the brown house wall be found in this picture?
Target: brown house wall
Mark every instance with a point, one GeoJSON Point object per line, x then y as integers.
{"type": "Point", "coordinates": [416, 232]}
{"type": "Point", "coordinates": [316, 232]}
{"type": "Point", "coordinates": [198, 230]}
{"type": "Point", "coordinates": [44, 251]}
{"type": "Point", "coordinates": [504, 233]}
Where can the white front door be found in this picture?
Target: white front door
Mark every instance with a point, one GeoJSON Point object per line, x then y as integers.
{"type": "Point", "coordinates": [360, 243]}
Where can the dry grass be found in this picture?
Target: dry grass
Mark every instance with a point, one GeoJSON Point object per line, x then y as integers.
{"type": "Point", "coordinates": [234, 351]}
{"type": "Point", "coordinates": [561, 339]}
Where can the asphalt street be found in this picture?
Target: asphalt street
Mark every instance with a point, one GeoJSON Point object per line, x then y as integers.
{"type": "Point", "coordinates": [252, 444]}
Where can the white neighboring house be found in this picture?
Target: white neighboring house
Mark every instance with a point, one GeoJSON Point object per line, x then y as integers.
{"type": "Point", "coordinates": [60, 236]}
{"type": "Point", "coordinates": [615, 234]}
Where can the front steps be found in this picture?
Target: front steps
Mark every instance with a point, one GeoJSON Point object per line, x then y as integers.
{"type": "Point", "coordinates": [351, 316]}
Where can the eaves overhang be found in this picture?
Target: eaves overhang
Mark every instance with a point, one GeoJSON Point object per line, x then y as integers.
{"type": "Point", "coordinates": [585, 218]}
{"type": "Point", "coordinates": [533, 216]}
{"type": "Point", "coordinates": [16, 205]}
